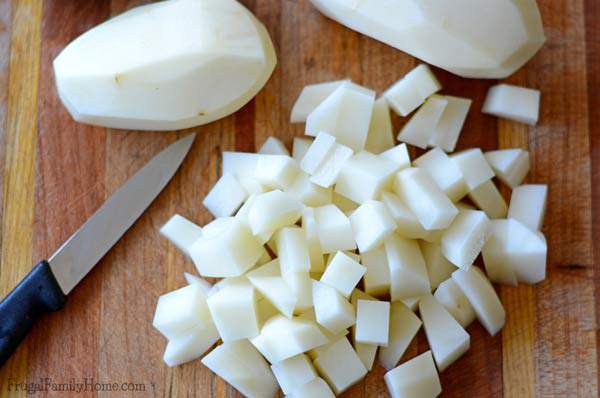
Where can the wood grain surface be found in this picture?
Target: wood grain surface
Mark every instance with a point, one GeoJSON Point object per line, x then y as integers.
{"type": "Point", "coordinates": [55, 173]}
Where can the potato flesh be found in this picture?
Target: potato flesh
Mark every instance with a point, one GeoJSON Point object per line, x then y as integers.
{"type": "Point", "coordinates": [345, 114]}
{"type": "Point", "coordinates": [463, 240]}
{"type": "Point", "coordinates": [381, 136]}
{"type": "Point", "coordinates": [446, 337]}
{"type": "Point", "coordinates": [310, 97]}
{"type": "Point", "coordinates": [239, 364]}
{"type": "Point", "coordinates": [498, 264]}
{"type": "Point", "coordinates": [399, 155]}
{"type": "Point", "coordinates": [168, 57]}
{"type": "Point", "coordinates": [373, 322]}
{"type": "Point", "coordinates": [273, 210]}
{"type": "Point", "coordinates": [277, 291]}
{"type": "Point", "coordinates": [492, 39]}
{"type": "Point", "coordinates": [233, 309]}
{"type": "Point", "coordinates": [528, 251]}
{"type": "Point", "coordinates": [332, 310]}
{"type": "Point", "coordinates": [404, 325]}
{"type": "Point", "coordinates": [444, 172]}
{"type": "Point", "coordinates": [450, 123]}
{"type": "Point", "coordinates": [311, 232]}
{"type": "Point", "coordinates": [181, 311]}
{"type": "Point", "coordinates": [421, 126]}
{"type": "Point", "coordinates": [488, 198]}
{"type": "Point", "coordinates": [455, 302]}
{"type": "Point", "coordinates": [292, 249]}
{"type": "Point", "coordinates": [482, 297]}
{"type": "Point", "coordinates": [438, 267]}
{"type": "Point", "coordinates": [273, 146]}
{"type": "Point", "coordinates": [407, 223]}
{"type": "Point", "coordinates": [240, 164]}
{"type": "Point", "coordinates": [528, 205]}
{"type": "Point", "coordinates": [377, 280]}
{"type": "Point", "coordinates": [512, 102]}
{"type": "Point", "coordinates": [371, 223]}
{"type": "Point", "coordinates": [276, 171]}
{"type": "Point", "coordinates": [226, 196]}
{"type": "Point", "coordinates": [340, 366]}
{"type": "Point", "coordinates": [424, 198]}
{"type": "Point", "coordinates": [334, 230]}
{"type": "Point", "coordinates": [181, 232]}
{"type": "Point", "coordinates": [192, 345]}
{"type": "Point", "coordinates": [327, 173]}
{"type": "Point", "coordinates": [510, 165]}
{"type": "Point", "coordinates": [316, 388]}
{"type": "Point", "coordinates": [300, 147]}
{"type": "Point", "coordinates": [408, 273]}
{"type": "Point", "coordinates": [415, 378]}
{"type": "Point", "coordinates": [408, 93]}
{"type": "Point", "coordinates": [474, 167]}
{"type": "Point", "coordinates": [319, 150]}
{"type": "Point", "coordinates": [293, 373]}
{"type": "Point", "coordinates": [308, 193]}
{"type": "Point", "coordinates": [343, 274]}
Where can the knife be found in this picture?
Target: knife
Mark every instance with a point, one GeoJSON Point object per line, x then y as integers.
{"type": "Point", "coordinates": [46, 287]}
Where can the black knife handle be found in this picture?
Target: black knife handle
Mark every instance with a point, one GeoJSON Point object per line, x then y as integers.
{"type": "Point", "coordinates": [35, 295]}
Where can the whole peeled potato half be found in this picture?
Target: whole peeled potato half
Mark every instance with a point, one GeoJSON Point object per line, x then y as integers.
{"type": "Point", "coordinates": [471, 38]}
{"type": "Point", "coordinates": [165, 66]}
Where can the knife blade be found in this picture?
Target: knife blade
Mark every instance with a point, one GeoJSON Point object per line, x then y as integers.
{"type": "Point", "coordinates": [46, 287]}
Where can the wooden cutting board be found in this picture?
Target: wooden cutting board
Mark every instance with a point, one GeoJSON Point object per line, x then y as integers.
{"type": "Point", "coordinates": [56, 172]}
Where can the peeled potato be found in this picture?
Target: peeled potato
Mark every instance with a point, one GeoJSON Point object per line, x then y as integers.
{"type": "Point", "coordinates": [167, 66]}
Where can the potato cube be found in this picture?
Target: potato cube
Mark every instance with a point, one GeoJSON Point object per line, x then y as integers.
{"type": "Point", "coordinates": [415, 378]}
{"type": "Point", "coordinates": [327, 173]}
{"type": "Point", "coordinates": [376, 280]}
{"type": "Point", "coordinates": [309, 193]}
{"type": "Point", "coordinates": [276, 171]}
{"type": "Point", "coordinates": [372, 322]}
{"type": "Point", "coordinates": [488, 198]}
{"type": "Point", "coordinates": [450, 124]}
{"type": "Point", "coordinates": [455, 302]}
{"type": "Point", "coordinates": [497, 259]}
{"type": "Point", "coordinates": [407, 223]}
{"type": "Point", "coordinates": [510, 165]}
{"type": "Point", "coordinates": [380, 136]}
{"type": "Point", "coordinates": [399, 155]}
{"type": "Point", "coordinates": [191, 345]}
{"type": "Point", "coordinates": [527, 252]}
{"type": "Point", "coordinates": [310, 97]}
{"type": "Point", "coordinates": [421, 126]}
{"type": "Point", "coordinates": [277, 291]}
{"type": "Point", "coordinates": [513, 102]}
{"type": "Point", "coordinates": [404, 325]}
{"type": "Point", "coordinates": [475, 169]}
{"type": "Point", "coordinates": [444, 172]}
{"type": "Point", "coordinates": [240, 164]}
{"type": "Point", "coordinates": [463, 240]}
{"type": "Point", "coordinates": [293, 373]}
{"type": "Point", "coordinates": [316, 388]}
{"type": "Point", "coordinates": [528, 205]}
{"type": "Point", "coordinates": [332, 310]}
{"type": "Point", "coordinates": [447, 339]}
{"type": "Point", "coordinates": [438, 267]}
{"type": "Point", "coordinates": [343, 274]}
{"type": "Point", "coordinates": [226, 196]}
{"type": "Point", "coordinates": [334, 229]}
{"type": "Point", "coordinates": [181, 311]}
{"type": "Point", "coordinates": [181, 232]}
{"type": "Point", "coordinates": [301, 285]}
{"type": "Point", "coordinates": [273, 210]}
{"type": "Point", "coordinates": [273, 146]}
{"type": "Point", "coordinates": [311, 232]}
{"type": "Point", "coordinates": [408, 272]}
{"type": "Point", "coordinates": [408, 93]}
{"type": "Point", "coordinates": [203, 283]}
{"type": "Point", "coordinates": [343, 203]}
{"type": "Point", "coordinates": [233, 310]}
{"type": "Point", "coordinates": [292, 249]}
{"type": "Point", "coordinates": [371, 223]}
{"type": "Point", "coordinates": [340, 366]}
{"type": "Point", "coordinates": [300, 148]}
{"type": "Point", "coordinates": [317, 153]}
{"type": "Point", "coordinates": [424, 198]}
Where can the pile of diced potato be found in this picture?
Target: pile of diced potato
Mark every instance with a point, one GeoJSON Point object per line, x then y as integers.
{"type": "Point", "coordinates": [327, 255]}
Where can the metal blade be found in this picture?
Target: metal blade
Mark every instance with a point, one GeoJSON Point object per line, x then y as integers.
{"type": "Point", "coordinates": [78, 255]}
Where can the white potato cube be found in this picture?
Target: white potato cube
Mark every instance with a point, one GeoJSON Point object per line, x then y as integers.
{"type": "Point", "coordinates": [233, 309]}
{"type": "Point", "coordinates": [316, 388]}
{"type": "Point", "coordinates": [404, 325]}
{"type": "Point", "coordinates": [474, 167]}
{"type": "Point", "coordinates": [407, 223]}
{"type": "Point", "coordinates": [343, 203]}
{"type": "Point", "coordinates": [226, 196]}
{"type": "Point", "coordinates": [345, 114]}
{"type": "Point", "coordinates": [239, 364]}
{"type": "Point", "coordinates": [293, 373]}
{"type": "Point", "coordinates": [412, 302]}
{"type": "Point", "coordinates": [309, 193]}
{"type": "Point", "coordinates": [300, 147]}
{"type": "Point", "coordinates": [377, 279]}
{"type": "Point", "coordinates": [331, 337]}
{"type": "Point", "coordinates": [421, 126]}
{"type": "Point", "coordinates": [273, 146]}
{"type": "Point", "coordinates": [528, 205]}
{"type": "Point", "coordinates": [373, 322]}
{"type": "Point", "coordinates": [463, 240]}
{"type": "Point", "coordinates": [381, 135]}
{"type": "Point", "coordinates": [424, 198]}
{"type": "Point", "coordinates": [444, 172]}
{"type": "Point", "coordinates": [301, 285]}
{"type": "Point", "coordinates": [277, 291]}
{"type": "Point", "coordinates": [446, 337]}
{"type": "Point", "coordinates": [273, 210]}
{"type": "Point", "coordinates": [408, 93]}
{"type": "Point", "coordinates": [327, 173]}
{"type": "Point", "coordinates": [455, 302]}
{"type": "Point", "coordinates": [408, 273]}
{"type": "Point", "coordinates": [181, 311]}
{"type": "Point", "coordinates": [230, 251]}
{"type": "Point", "coordinates": [191, 345]}
{"type": "Point", "coordinates": [310, 97]}
{"type": "Point", "coordinates": [311, 232]}
{"type": "Point", "coordinates": [332, 310]}
{"type": "Point", "coordinates": [365, 351]}
{"type": "Point", "coordinates": [271, 268]}
{"type": "Point", "coordinates": [528, 251]}
{"type": "Point", "coordinates": [488, 198]}
{"type": "Point", "coordinates": [438, 267]}
{"type": "Point", "coordinates": [292, 249]}
{"type": "Point", "coordinates": [343, 274]}
{"type": "Point", "coordinates": [498, 261]}
{"type": "Point", "coordinates": [252, 185]}
{"type": "Point", "coordinates": [156, 78]}
{"type": "Point", "coordinates": [510, 165]}
{"type": "Point", "coordinates": [240, 164]}
{"type": "Point", "coordinates": [265, 310]}
{"type": "Point", "coordinates": [371, 223]}
{"type": "Point", "coordinates": [340, 366]}
{"type": "Point", "coordinates": [399, 155]}
{"type": "Point", "coordinates": [364, 175]}
{"type": "Point", "coordinates": [415, 378]}
{"type": "Point", "coordinates": [319, 150]}
{"type": "Point", "coordinates": [446, 132]}
{"type": "Point", "coordinates": [483, 298]}
{"type": "Point", "coordinates": [276, 171]}
{"type": "Point", "coordinates": [203, 283]}
{"type": "Point", "coordinates": [512, 102]}
{"type": "Point", "coordinates": [181, 232]}
{"type": "Point", "coordinates": [282, 338]}
{"type": "Point", "coordinates": [334, 229]}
